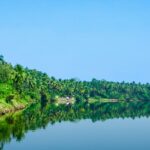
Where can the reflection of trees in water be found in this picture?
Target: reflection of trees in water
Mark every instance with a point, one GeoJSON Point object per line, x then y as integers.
{"type": "Point", "coordinates": [15, 126]}
{"type": "Point", "coordinates": [1, 145]}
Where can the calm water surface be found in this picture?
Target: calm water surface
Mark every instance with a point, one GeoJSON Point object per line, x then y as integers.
{"type": "Point", "coordinates": [105, 126]}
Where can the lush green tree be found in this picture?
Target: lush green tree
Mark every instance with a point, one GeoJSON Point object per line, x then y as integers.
{"type": "Point", "coordinates": [6, 73]}
{"type": "Point", "coordinates": [19, 78]}
{"type": "Point", "coordinates": [28, 84]}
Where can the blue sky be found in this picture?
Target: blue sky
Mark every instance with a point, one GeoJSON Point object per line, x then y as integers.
{"type": "Point", "coordinates": [85, 39]}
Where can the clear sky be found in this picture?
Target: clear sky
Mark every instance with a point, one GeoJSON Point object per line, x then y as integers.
{"type": "Point", "coordinates": [85, 39]}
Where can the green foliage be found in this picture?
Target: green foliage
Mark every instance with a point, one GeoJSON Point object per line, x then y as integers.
{"type": "Point", "coordinates": [53, 98]}
{"type": "Point", "coordinates": [2, 59]}
{"type": "Point", "coordinates": [6, 72]}
{"type": "Point", "coordinates": [44, 98]}
{"type": "Point", "coordinates": [29, 83]}
{"type": "Point", "coordinates": [9, 98]}
{"type": "Point", "coordinates": [79, 99]}
{"type": "Point", "coordinates": [5, 90]}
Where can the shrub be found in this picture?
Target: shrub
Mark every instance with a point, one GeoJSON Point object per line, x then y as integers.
{"type": "Point", "coordinates": [10, 98]}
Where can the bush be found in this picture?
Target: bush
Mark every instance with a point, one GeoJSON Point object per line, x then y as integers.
{"type": "Point", "coordinates": [53, 98]}
{"type": "Point", "coordinates": [79, 99]}
{"type": "Point", "coordinates": [5, 73]}
{"type": "Point", "coordinates": [10, 98]}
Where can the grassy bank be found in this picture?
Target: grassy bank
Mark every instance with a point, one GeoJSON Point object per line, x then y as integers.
{"type": "Point", "coordinates": [10, 100]}
{"type": "Point", "coordinates": [11, 107]}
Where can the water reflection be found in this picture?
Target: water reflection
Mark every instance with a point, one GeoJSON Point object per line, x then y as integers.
{"type": "Point", "coordinates": [15, 126]}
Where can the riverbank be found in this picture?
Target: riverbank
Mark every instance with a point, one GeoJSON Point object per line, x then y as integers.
{"type": "Point", "coordinates": [14, 106]}
{"type": "Point", "coordinates": [90, 100]}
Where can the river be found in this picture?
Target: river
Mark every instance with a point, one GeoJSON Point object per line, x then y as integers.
{"type": "Point", "coordinates": [106, 126]}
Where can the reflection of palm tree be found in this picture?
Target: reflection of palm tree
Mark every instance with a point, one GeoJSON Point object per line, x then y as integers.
{"type": "Point", "coordinates": [1, 58]}
{"type": "Point", "coordinates": [19, 78]}
{"type": "Point", "coordinates": [1, 145]}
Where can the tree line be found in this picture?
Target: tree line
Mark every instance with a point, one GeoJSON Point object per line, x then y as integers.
{"type": "Point", "coordinates": [18, 82]}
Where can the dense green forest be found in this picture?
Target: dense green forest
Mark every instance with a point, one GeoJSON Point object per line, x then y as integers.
{"type": "Point", "coordinates": [21, 86]}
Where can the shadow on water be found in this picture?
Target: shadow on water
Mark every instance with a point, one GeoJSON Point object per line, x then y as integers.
{"type": "Point", "coordinates": [15, 126]}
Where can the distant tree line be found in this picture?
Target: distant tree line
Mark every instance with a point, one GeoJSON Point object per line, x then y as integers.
{"type": "Point", "coordinates": [19, 82]}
